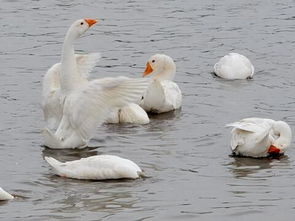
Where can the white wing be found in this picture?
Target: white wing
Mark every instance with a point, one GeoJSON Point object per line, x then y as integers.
{"type": "Point", "coordinates": [89, 106]}
{"type": "Point", "coordinates": [52, 102]}
{"type": "Point", "coordinates": [261, 128]}
{"type": "Point", "coordinates": [51, 97]}
{"type": "Point", "coordinates": [86, 62]}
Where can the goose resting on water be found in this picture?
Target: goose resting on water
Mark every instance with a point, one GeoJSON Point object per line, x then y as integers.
{"type": "Point", "coordinates": [234, 66]}
{"type": "Point", "coordinates": [259, 137]}
{"type": "Point", "coordinates": [81, 104]}
{"type": "Point", "coordinates": [163, 94]}
{"type": "Point", "coordinates": [99, 167]}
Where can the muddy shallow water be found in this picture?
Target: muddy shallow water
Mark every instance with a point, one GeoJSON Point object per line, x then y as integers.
{"type": "Point", "coordinates": [185, 154]}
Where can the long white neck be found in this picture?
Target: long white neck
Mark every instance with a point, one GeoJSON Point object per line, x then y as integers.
{"type": "Point", "coordinates": [167, 72]}
{"type": "Point", "coordinates": [69, 76]}
{"type": "Point", "coordinates": [284, 131]}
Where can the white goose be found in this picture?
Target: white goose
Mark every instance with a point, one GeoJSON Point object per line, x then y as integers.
{"type": "Point", "coordinates": [131, 113]}
{"type": "Point", "coordinates": [85, 104]}
{"type": "Point", "coordinates": [4, 195]}
{"type": "Point", "coordinates": [99, 167]}
{"type": "Point", "coordinates": [163, 94]}
{"type": "Point", "coordinates": [259, 137]}
{"type": "Point", "coordinates": [234, 66]}
{"type": "Point", "coordinates": [52, 99]}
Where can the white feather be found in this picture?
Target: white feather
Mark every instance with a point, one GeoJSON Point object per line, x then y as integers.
{"type": "Point", "coordinates": [4, 195]}
{"type": "Point", "coordinates": [234, 66]}
{"type": "Point", "coordinates": [99, 167]}
{"type": "Point", "coordinates": [89, 106]}
{"type": "Point", "coordinates": [52, 99]}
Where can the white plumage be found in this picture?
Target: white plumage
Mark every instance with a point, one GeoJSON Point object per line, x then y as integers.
{"type": "Point", "coordinates": [99, 167]}
{"type": "Point", "coordinates": [52, 99]}
{"type": "Point", "coordinates": [75, 105]}
{"type": "Point", "coordinates": [131, 113]}
{"type": "Point", "coordinates": [4, 195]}
{"type": "Point", "coordinates": [259, 137]}
{"type": "Point", "coordinates": [163, 94]}
{"type": "Point", "coordinates": [234, 66]}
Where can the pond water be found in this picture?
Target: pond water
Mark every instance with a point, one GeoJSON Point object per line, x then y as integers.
{"type": "Point", "coordinates": [185, 154]}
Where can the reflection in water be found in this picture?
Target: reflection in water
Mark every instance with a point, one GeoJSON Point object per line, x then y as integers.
{"type": "Point", "coordinates": [173, 144]}
{"type": "Point", "coordinates": [171, 115]}
{"type": "Point", "coordinates": [69, 154]}
{"type": "Point", "coordinates": [244, 166]}
{"type": "Point", "coordinates": [97, 198]}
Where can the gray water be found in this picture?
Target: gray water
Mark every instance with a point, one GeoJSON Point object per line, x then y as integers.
{"type": "Point", "coordinates": [185, 153]}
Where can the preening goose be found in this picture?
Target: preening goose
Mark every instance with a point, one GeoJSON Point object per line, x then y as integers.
{"type": "Point", "coordinates": [234, 66]}
{"type": "Point", "coordinates": [259, 137]}
{"type": "Point", "coordinates": [163, 94]}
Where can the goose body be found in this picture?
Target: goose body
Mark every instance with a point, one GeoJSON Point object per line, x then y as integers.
{"type": "Point", "coordinates": [99, 167]}
{"type": "Point", "coordinates": [52, 99]}
{"type": "Point", "coordinates": [4, 195]}
{"type": "Point", "coordinates": [162, 95]}
{"type": "Point", "coordinates": [259, 137]}
{"type": "Point", "coordinates": [234, 66]}
{"type": "Point", "coordinates": [131, 113]}
{"type": "Point", "coordinates": [84, 104]}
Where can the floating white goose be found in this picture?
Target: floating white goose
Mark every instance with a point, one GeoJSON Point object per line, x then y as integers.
{"type": "Point", "coordinates": [99, 167]}
{"type": "Point", "coordinates": [234, 66]}
{"type": "Point", "coordinates": [163, 94]}
{"type": "Point", "coordinates": [258, 137]}
{"type": "Point", "coordinates": [4, 195]}
{"type": "Point", "coordinates": [131, 113]}
{"type": "Point", "coordinates": [85, 104]}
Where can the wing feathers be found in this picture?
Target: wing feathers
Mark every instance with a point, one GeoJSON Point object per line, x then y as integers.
{"type": "Point", "coordinates": [89, 107]}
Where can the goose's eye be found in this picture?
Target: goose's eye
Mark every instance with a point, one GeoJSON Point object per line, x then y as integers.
{"type": "Point", "coordinates": [153, 61]}
{"type": "Point", "coordinates": [82, 23]}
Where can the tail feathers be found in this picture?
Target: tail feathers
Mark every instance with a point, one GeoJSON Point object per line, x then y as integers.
{"type": "Point", "coordinates": [53, 162]}
{"type": "Point", "coordinates": [231, 125]}
{"type": "Point", "coordinates": [57, 166]}
{"type": "Point", "coordinates": [4, 195]}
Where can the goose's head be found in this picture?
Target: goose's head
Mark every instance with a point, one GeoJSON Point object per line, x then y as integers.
{"type": "Point", "coordinates": [80, 26]}
{"type": "Point", "coordinates": [161, 66]}
{"type": "Point", "coordinates": [284, 133]}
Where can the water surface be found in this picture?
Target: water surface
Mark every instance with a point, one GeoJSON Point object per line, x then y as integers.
{"type": "Point", "coordinates": [185, 154]}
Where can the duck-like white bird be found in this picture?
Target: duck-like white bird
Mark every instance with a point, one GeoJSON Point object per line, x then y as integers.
{"type": "Point", "coordinates": [259, 137]}
{"type": "Point", "coordinates": [84, 104]}
{"type": "Point", "coordinates": [234, 66]}
{"type": "Point", "coordinates": [99, 167]}
{"type": "Point", "coordinates": [52, 99]}
{"type": "Point", "coordinates": [4, 195]}
{"type": "Point", "coordinates": [163, 94]}
{"type": "Point", "coordinates": [131, 113]}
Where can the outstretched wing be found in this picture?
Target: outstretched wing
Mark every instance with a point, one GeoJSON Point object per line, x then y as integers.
{"type": "Point", "coordinates": [86, 62]}
{"type": "Point", "coordinates": [90, 106]}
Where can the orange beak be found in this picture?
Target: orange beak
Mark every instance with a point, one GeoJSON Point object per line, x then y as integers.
{"type": "Point", "coordinates": [90, 22]}
{"type": "Point", "coordinates": [273, 150]}
{"type": "Point", "coordinates": [148, 69]}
